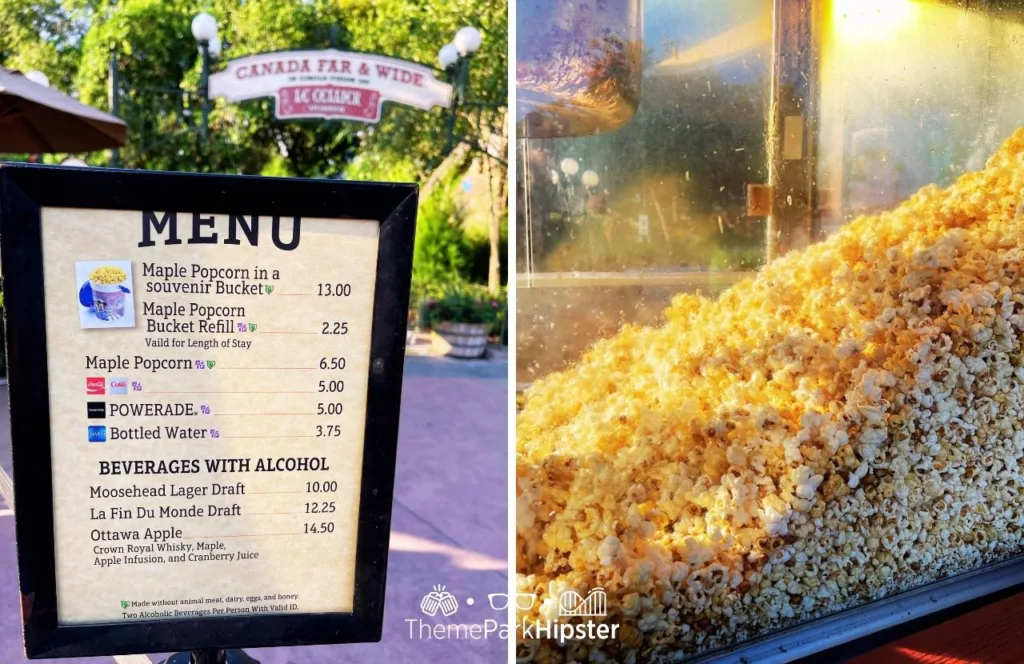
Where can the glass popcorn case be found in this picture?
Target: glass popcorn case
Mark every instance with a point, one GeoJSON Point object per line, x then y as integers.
{"type": "Point", "coordinates": [770, 310]}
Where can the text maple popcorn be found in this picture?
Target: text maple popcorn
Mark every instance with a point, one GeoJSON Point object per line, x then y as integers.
{"type": "Point", "coordinates": [843, 425]}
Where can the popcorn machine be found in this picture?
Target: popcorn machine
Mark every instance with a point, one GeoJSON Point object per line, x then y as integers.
{"type": "Point", "coordinates": [770, 291]}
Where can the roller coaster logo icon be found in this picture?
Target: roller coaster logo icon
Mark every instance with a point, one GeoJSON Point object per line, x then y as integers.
{"type": "Point", "coordinates": [595, 604]}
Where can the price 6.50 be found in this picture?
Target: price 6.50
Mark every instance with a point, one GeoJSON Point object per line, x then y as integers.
{"type": "Point", "coordinates": [332, 363]}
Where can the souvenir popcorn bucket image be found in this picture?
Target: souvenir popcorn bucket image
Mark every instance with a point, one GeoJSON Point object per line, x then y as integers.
{"type": "Point", "coordinates": [105, 294]}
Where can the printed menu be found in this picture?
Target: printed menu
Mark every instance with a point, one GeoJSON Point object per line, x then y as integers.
{"type": "Point", "coordinates": [207, 378]}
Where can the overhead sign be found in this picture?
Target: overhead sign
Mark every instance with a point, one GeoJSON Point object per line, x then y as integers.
{"type": "Point", "coordinates": [330, 84]}
{"type": "Point", "coordinates": [205, 405]}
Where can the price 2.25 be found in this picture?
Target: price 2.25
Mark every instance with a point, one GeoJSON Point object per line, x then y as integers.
{"type": "Point", "coordinates": [334, 327]}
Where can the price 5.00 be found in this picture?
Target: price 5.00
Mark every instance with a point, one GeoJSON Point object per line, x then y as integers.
{"type": "Point", "coordinates": [328, 430]}
{"type": "Point", "coordinates": [329, 408]}
{"type": "Point", "coordinates": [331, 386]}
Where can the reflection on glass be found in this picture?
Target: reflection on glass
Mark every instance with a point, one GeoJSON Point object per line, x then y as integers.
{"type": "Point", "coordinates": [577, 65]}
{"type": "Point", "coordinates": [665, 209]}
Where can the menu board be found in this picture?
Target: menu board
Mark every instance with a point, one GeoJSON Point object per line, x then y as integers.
{"type": "Point", "coordinates": [207, 396]}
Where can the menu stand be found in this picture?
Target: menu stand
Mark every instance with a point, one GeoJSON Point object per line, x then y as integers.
{"type": "Point", "coordinates": [211, 657]}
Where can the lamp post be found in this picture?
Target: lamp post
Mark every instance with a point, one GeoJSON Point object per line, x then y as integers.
{"type": "Point", "coordinates": [454, 59]}
{"type": "Point", "coordinates": [204, 29]}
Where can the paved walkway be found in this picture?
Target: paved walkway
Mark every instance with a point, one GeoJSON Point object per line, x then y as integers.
{"type": "Point", "coordinates": [449, 525]}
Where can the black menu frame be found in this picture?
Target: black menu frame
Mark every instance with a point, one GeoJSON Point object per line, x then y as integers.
{"type": "Point", "coordinates": [25, 189]}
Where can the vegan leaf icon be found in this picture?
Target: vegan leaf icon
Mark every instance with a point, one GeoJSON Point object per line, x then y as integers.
{"type": "Point", "coordinates": [252, 327]}
{"type": "Point", "coordinates": [270, 289]}
{"type": "Point", "coordinates": [210, 364]}
{"type": "Point", "coordinates": [124, 604]}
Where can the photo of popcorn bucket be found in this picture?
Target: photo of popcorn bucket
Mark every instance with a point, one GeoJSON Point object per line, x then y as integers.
{"type": "Point", "coordinates": [104, 293]}
{"type": "Point", "coordinates": [108, 294]}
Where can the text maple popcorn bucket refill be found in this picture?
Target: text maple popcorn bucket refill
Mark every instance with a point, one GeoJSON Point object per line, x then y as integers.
{"type": "Point", "coordinates": [108, 293]}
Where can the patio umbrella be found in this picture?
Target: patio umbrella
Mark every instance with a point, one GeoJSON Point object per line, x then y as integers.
{"type": "Point", "coordinates": [34, 118]}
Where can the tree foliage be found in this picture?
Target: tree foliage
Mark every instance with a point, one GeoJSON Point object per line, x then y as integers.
{"type": "Point", "coordinates": [417, 30]}
{"type": "Point", "coordinates": [159, 67]}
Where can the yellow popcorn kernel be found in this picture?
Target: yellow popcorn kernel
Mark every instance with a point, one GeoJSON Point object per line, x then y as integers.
{"type": "Point", "coordinates": [108, 276]}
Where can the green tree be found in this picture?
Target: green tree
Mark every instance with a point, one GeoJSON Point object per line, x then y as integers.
{"type": "Point", "coordinates": [416, 30]}
{"type": "Point", "coordinates": [407, 136]}
{"type": "Point", "coordinates": [159, 65]}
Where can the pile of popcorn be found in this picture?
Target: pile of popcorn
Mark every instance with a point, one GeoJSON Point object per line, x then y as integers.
{"type": "Point", "coordinates": [844, 425]}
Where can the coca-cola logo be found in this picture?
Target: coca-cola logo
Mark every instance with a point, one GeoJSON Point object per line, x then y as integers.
{"type": "Point", "coordinates": [95, 385]}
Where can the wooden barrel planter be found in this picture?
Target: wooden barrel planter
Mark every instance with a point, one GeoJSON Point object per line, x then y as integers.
{"type": "Point", "coordinates": [468, 340]}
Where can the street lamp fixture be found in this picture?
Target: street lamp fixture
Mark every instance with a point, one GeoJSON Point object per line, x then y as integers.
{"type": "Point", "coordinates": [454, 59]}
{"type": "Point", "coordinates": [467, 41]}
{"type": "Point", "coordinates": [590, 179]}
{"type": "Point", "coordinates": [448, 56]}
{"type": "Point", "coordinates": [570, 166]}
{"type": "Point", "coordinates": [204, 29]}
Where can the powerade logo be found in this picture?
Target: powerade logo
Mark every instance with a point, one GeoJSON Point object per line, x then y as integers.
{"type": "Point", "coordinates": [96, 385]}
{"type": "Point", "coordinates": [118, 385]}
{"type": "Point", "coordinates": [97, 434]}
{"type": "Point", "coordinates": [96, 410]}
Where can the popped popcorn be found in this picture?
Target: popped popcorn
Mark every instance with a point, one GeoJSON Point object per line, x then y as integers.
{"type": "Point", "coordinates": [843, 425]}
